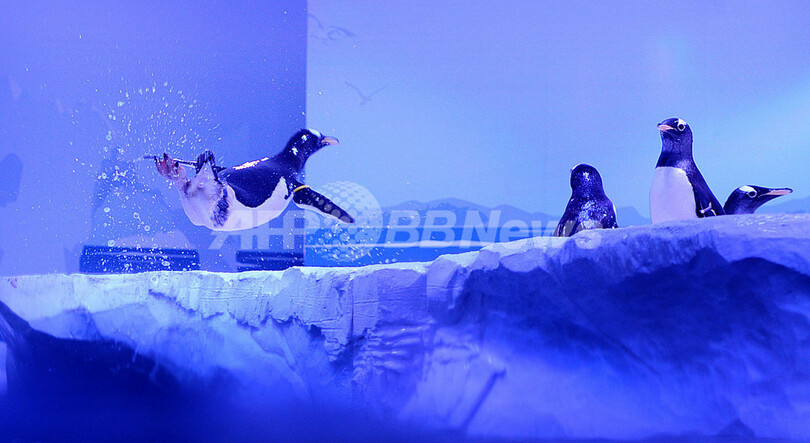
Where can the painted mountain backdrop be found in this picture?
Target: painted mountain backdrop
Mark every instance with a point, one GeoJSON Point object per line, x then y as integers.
{"type": "Point", "coordinates": [422, 231]}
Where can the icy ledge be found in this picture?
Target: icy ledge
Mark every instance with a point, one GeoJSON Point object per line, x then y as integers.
{"type": "Point", "coordinates": [699, 328]}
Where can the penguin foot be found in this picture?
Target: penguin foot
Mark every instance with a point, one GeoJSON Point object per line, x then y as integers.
{"type": "Point", "coordinates": [170, 168]}
{"type": "Point", "coordinates": [205, 157]}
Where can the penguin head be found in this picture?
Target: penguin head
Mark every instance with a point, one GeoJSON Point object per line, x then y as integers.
{"type": "Point", "coordinates": [307, 142]}
{"type": "Point", "coordinates": [585, 179]}
{"type": "Point", "coordinates": [747, 199]}
{"type": "Point", "coordinates": [676, 135]}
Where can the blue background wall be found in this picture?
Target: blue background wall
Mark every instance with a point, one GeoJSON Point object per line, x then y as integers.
{"type": "Point", "coordinates": [79, 80]}
{"type": "Point", "coordinates": [494, 101]}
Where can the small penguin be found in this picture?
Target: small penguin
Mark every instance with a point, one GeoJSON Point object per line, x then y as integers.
{"type": "Point", "coordinates": [251, 194]}
{"type": "Point", "coordinates": [589, 207]}
{"type": "Point", "coordinates": [747, 199]}
{"type": "Point", "coordinates": [678, 190]}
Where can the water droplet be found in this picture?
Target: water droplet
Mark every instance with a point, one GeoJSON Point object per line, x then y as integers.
{"type": "Point", "coordinates": [107, 210]}
{"type": "Point", "coordinates": [111, 243]}
{"type": "Point", "coordinates": [120, 103]}
{"type": "Point", "coordinates": [146, 228]}
{"type": "Point", "coordinates": [136, 216]}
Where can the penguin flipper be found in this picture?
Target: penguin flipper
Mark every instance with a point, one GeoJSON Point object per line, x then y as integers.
{"type": "Point", "coordinates": [309, 199]}
{"type": "Point", "coordinates": [252, 185]}
{"type": "Point", "coordinates": [567, 228]}
{"type": "Point", "coordinates": [706, 205]}
{"type": "Point", "coordinates": [609, 221]}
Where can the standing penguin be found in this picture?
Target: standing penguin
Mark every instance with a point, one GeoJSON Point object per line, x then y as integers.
{"type": "Point", "coordinates": [589, 207]}
{"type": "Point", "coordinates": [678, 190]}
{"type": "Point", "coordinates": [746, 199]}
{"type": "Point", "coordinates": [251, 194]}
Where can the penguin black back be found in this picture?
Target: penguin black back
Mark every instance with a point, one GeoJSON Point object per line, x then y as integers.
{"type": "Point", "coordinates": [586, 181]}
{"type": "Point", "coordinates": [747, 199]}
{"type": "Point", "coordinates": [254, 182]}
{"type": "Point", "coordinates": [589, 207]}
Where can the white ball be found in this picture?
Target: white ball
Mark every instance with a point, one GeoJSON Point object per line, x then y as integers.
{"type": "Point", "coordinates": [344, 243]}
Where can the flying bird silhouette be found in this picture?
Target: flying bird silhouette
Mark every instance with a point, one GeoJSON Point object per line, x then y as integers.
{"type": "Point", "coordinates": [328, 33]}
{"type": "Point", "coordinates": [364, 98]}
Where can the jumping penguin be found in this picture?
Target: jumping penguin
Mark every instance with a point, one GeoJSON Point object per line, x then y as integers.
{"type": "Point", "coordinates": [589, 207]}
{"type": "Point", "coordinates": [747, 199]}
{"type": "Point", "coordinates": [678, 190]}
{"type": "Point", "coordinates": [251, 194]}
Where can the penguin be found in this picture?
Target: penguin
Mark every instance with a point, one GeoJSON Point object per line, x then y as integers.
{"type": "Point", "coordinates": [251, 194]}
{"type": "Point", "coordinates": [678, 190]}
{"type": "Point", "coordinates": [747, 199]}
{"type": "Point", "coordinates": [589, 207]}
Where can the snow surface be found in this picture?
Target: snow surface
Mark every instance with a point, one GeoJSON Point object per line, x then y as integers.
{"type": "Point", "coordinates": [690, 328]}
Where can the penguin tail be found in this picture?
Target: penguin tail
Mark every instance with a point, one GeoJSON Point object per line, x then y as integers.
{"type": "Point", "coordinates": [208, 157]}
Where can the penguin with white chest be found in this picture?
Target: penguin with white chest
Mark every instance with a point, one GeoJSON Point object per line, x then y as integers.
{"type": "Point", "coordinates": [251, 194]}
{"type": "Point", "coordinates": [679, 191]}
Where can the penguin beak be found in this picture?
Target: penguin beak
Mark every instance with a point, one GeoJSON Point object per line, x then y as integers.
{"type": "Point", "coordinates": [329, 141]}
{"type": "Point", "coordinates": [779, 192]}
{"type": "Point", "coordinates": [664, 128]}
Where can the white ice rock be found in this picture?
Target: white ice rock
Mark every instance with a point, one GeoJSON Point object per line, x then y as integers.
{"type": "Point", "coordinates": [691, 328]}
